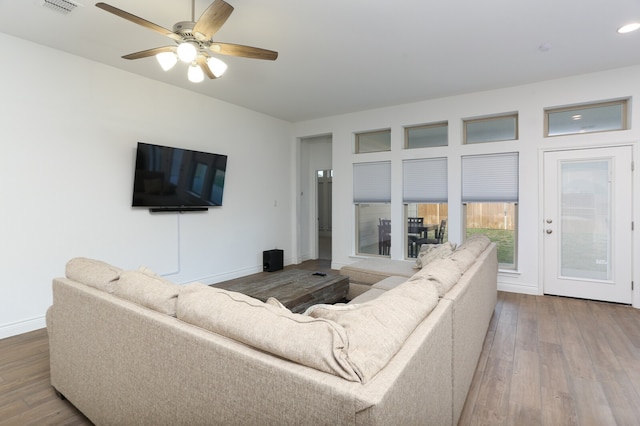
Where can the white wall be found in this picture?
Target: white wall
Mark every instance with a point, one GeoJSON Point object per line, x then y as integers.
{"type": "Point", "coordinates": [68, 132]}
{"type": "Point", "coordinates": [529, 101]}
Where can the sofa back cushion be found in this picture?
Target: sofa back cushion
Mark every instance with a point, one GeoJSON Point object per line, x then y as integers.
{"type": "Point", "coordinates": [314, 342]}
{"type": "Point", "coordinates": [445, 272]}
{"type": "Point", "coordinates": [148, 289]}
{"type": "Point", "coordinates": [94, 273]}
{"type": "Point", "coordinates": [442, 273]}
{"type": "Point", "coordinates": [431, 252]}
{"type": "Point", "coordinates": [475, 244]}
{"type": "Point", "coordinates": [377, 329]}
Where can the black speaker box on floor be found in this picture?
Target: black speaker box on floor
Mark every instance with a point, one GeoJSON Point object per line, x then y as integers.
{"type": "Point", "coordinates": [272, 260]}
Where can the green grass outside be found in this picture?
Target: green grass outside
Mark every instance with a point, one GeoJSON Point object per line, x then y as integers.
{"type": "Point", "coordinates": [504, 240]}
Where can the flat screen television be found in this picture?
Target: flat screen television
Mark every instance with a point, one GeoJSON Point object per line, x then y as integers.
{"type": "Point", "coordinates": [176, 179]}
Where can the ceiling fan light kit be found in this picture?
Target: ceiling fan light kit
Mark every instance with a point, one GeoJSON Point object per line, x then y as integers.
{"type": "Point", "coordinates": [167, 60]}
{"type": "Point", "coordinates": [195, 42]}
{"type": "Point", "coordinates": [195, 73]}
{"type": "Point", "coordinates": [216, 66]}
{"type": "Point", "coordinates": [187, 52]}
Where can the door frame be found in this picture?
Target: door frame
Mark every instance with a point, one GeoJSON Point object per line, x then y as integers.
{"type": "Point", "coordinates": [635, 205]}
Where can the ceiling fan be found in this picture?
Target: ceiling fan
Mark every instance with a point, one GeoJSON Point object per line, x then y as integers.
{"type": "Point", "coordinates": [194, 41]}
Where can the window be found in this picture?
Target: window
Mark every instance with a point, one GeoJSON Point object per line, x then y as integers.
{"type": "Point", "coordinates": [198, 178]}
{"type": "Point", "coordinates": [490, 202]}
{"type": "Point", "coordinates": [373, 141]}
{"type": "Point", "coordinates": [425, 194]}
{"type": "Point", "coordinates": [176, 163]}
{"type": "Point", "coordinates": [217, 187]}
{"type": "Point", "coordinates": [428, 135]}
{"type": "Point", "coordinates": [491, 129]}
{"type": "Point", "coordinates": [600, 117]}
{"type": "Point", "coordinates": [372, 197]}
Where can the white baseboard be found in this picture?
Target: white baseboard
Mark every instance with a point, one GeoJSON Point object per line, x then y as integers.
{"type": "Point", "coordinates": [338, 265]}
{"type": "Point", "coordinates": [13, 329]}
{"type": "Point", "coordinates": [214, 279]}
{"type": "Point", "coordinates": [515, 288]}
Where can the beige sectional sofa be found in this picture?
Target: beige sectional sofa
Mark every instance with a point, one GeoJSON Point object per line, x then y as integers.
{"type": "Point", "coordinates": [467, 277]}
{"type": "Point", "coordinates": [129, 347]}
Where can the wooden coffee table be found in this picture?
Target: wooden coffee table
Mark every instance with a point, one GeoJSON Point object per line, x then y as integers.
{"type": "Point", "coordinates": [294, 288]}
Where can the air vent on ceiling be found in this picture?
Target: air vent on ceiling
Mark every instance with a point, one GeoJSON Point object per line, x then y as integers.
{"type": "Point", "coordinates": [62, 6]}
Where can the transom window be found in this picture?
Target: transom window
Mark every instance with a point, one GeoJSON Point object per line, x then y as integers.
{"type": "Point", "coordinates": [427, 135]}
{"type": "Point", "coordinates": [591, 118]}
{"type": "Point", "coordinates": [491, 129]}
{"type": "Point", "coordinates": [373, 141]}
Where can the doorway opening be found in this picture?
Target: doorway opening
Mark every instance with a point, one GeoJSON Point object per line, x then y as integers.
{"type": "Point", "coordinates": [324, 190]}
{"type": "Point", "coordinates": [315, 176]}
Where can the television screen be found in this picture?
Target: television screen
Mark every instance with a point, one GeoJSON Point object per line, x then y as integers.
{"type": "Point", "coordinates": [176, 178]}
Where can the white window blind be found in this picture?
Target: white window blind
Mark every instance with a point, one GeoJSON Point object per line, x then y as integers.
{"type": "Point", "coordinates": [490, 178]}
{"type": "Point", "coordinates": [424, 180]}
{"type": "Point", "coordinates": [372, 182]}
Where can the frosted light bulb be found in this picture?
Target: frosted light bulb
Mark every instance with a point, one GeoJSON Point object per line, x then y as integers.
{"type": "Point", "coordinates": [187, 52]}
{"type": "Point", "coordinates": [216, 66]}
{"type": "Point", "coordinates": [167, 60]}
{"type": "Point", "coordinates": [195, 74]}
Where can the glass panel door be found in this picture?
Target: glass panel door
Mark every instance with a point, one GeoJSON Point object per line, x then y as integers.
{"type": "Point", "coordinates": [587, 222]}
{"type": "Point", "coordinates": [585, 211]}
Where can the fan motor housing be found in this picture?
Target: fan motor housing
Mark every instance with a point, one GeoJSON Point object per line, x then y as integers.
{"type": "Point", "coordinates": [184, 28]}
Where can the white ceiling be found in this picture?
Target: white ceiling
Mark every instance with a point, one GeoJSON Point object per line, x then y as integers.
{"type": "Point", "coordinates": [339, 56]}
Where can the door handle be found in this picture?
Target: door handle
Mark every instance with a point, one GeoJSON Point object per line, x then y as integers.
{"type": "Point", "coordinates": [549, 231]}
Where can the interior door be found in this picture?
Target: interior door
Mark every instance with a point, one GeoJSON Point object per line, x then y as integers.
{"type": "Point", "coordinates": [588, 223]}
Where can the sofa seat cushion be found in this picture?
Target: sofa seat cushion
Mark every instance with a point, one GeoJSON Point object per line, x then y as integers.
{"type": "Point", "coordinates": [370, 294]}
{"type": "Point", "coordinates": [372, 270]}
{"type": "Point", "coordinates": [148, 289]}
{"type": "Point", "coordinates": [315, 342]}
{"type": "Point", "coordinates": [376, 329]}
{"type": "Point", "coordinates": [378, 288]}
{"type": "Point", "coordinates": [94, 273]}
{"type": "Point", "coordinates": [389, 283]}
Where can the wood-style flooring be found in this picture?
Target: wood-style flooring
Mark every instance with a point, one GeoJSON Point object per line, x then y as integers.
{"type": "Point", "coordinates": [546, 361]}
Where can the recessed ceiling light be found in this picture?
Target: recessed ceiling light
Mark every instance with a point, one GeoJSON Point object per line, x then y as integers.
{"type": "Point", "coordinates": [576, 117]}
{"type": "Point", "coordinates": [629, 28]}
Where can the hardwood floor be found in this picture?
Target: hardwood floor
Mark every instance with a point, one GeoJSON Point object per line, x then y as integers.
{"type": "Point", "coordinates": [557, 361]}
{"type": "Point", "coordinates": [546, 361]}
{"type": "Point", "coordinates": [26, 395]}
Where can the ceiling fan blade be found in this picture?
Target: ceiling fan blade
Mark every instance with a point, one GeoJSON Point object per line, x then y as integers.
{"type": "Point", "coordinates": [202, 61]}
{"type": "Point", "coordinates": [137, 20]}
{"type": "Point", "coordinates": [212, 19]}
{"type": "Point", "coordinates": [243, 51]}
{"type": "Point", "coordinates": [150, 52]}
